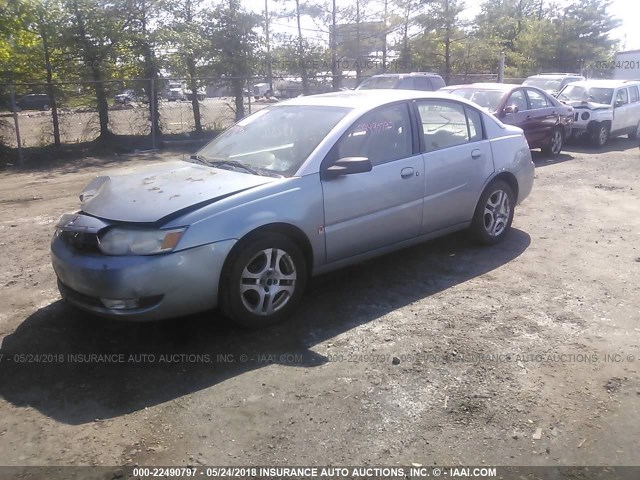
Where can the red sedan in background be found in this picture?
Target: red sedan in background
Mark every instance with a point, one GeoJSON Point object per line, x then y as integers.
{"type": "Point", "coordinates": [545, 120]}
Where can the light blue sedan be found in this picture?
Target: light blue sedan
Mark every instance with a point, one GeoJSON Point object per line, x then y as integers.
{"type": "Point", "coordinates": [297, 189]}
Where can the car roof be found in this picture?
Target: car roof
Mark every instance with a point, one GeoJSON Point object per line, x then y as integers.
{"type": "Point", "coordinates": [605, 83]}
{"type": "Point", "coordinates": [366, 99]}
{"type": "Point", "coordinates": [555, 75]}
{"type": "Point", "coordinates": [483, 86]}
{"type": "Point", "coordinates": [401, 75]}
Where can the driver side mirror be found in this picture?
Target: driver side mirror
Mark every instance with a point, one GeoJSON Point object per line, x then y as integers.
{"type": "Point", "coordinates": [619, 102]}
{"type": "Point", "coordinates": [510, 109]}
{"type": "Point", "coordinates": [348, 166]}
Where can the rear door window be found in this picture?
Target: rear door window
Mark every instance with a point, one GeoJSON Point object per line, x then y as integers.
{"type": "Point", "coordinates": [445, 124]}
{"type": "Point", "coordinates": [423, 83]}
{"type": "Point", "coordinates": [406, 84]}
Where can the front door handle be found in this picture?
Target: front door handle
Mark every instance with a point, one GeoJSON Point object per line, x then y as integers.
{"type": "Point", "coordinates": [476, 153]}
{"type": "Point", "coordinates": [406, 172]}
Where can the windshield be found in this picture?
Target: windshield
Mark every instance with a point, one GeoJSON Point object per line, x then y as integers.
{"type": "Point", "coordinates": [378, 82]}
{"type": "Point", "coordinates": [273, 141]}
{"type": "Point", "coordinates": [488, 99]}
{"type": "Point", "coordinates": [551, 84]}
{"type": "Point", "coordinates": [583, 94]}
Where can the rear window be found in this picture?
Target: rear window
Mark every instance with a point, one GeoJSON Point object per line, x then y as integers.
{"type": "Point", "coordinates": [378, 82]}
{"type": "Point", "coordinates": [437, 82]}
{"type": "Point", "coordinates": [488, 99]}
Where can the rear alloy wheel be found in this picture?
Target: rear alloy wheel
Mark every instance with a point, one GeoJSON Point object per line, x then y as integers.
{"type": "Point", "coordinates": [494, 213]}
{"type": "Point", "coordinates": [600, 136]}
{"type": "Point", "coordinates": [636, 134]}
{"type": "Point", "coordinates": [556, 142]}
{"type": "Point", "coordinates": [264, 281]}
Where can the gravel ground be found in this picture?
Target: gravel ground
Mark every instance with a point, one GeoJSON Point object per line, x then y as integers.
{"type": "Point", "coordinates": [526, 353]}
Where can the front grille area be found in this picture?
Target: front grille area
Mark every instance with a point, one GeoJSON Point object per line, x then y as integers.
{"type": "Point", "coordinates": [81, 241]}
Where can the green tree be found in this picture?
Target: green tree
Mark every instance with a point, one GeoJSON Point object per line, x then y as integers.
{"type": "Point", "coordinates": [582, 34]}
{"type": "Point", "coordinates": [184, 33]}
{"type": "Point", "coordinates": [234, 43]}
{"type": "Point", "coordinates": [97, 28]}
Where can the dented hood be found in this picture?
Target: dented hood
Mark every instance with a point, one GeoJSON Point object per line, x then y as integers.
{"type": "Point", "coordinates": [149, 194]}
{"type": "Point", "coordinates": [590, 105]}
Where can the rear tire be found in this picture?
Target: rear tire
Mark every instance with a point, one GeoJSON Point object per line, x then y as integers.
{"type": "Point", "coordinates": [636, 134]}
{"type": "Point", "coordinates": [494, 213]}
{"type": "Point", "coordinates": [263, 280]}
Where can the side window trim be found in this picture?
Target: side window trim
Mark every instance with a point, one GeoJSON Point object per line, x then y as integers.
{"type": "Point", "coordinates": [416, 128]}
{"type": "Point", "coordinates": [483, 135]}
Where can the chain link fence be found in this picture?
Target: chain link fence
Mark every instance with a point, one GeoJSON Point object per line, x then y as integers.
{"type": "Point", "coordinates": [33, 116]}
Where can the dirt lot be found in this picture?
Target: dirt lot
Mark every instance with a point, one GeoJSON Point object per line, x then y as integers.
{"type": "Point", "coordinates": [492, 344]}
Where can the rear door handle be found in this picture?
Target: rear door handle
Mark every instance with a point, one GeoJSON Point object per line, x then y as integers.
{"type": "Point", "coordinates": [406, 172]}
{"type": "Point", "coordinates": [476, 153]}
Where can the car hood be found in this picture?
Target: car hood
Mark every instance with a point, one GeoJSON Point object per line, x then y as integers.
{"type": "Point", "coordinates": [153, 193]}
{"type": "Point", "coordinates": [589, 105]}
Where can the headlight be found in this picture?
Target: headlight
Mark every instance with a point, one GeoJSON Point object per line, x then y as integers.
{"type": "Point", "coordinates": [122, 241]}
{"type": "Point", "coordinates": [585, 116]}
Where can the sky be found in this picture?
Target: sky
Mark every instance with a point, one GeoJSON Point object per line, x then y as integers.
{"type": "Point", "coordinates": [629, 12]}
{"type": "Point", "coordinates": [626, 10]}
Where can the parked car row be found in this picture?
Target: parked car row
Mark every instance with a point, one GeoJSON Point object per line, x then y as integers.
{"type": "Point", "coordinates": [549, 107]}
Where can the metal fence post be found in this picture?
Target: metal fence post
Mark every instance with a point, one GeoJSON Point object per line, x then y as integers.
{"type": "Point", "coordinates": [153, 113]}
{"type": "Point", "coordinates": [17, 125]}
{"type": "Point", "coordinates": [501, 68]}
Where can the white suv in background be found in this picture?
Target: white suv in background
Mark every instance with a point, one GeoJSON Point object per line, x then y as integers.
{"type": "Point", "coordinates": [552, 83]}
{"type": "Point", "coordinates": [604, 108]}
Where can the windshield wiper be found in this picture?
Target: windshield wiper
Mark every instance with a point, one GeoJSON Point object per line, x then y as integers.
{"type": "Point", "coordinates": [230, 163]}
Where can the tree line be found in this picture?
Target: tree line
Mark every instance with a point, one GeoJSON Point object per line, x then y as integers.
{"type": "Point", "coordinates": [57, 42]}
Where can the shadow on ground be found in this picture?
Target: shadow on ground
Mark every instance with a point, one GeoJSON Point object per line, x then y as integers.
{"type": "Point", "coordinates": [542, 160]}
{"type": "Point", "coordinates": [41, 368]}
{"type": "Point", "coordinates": [616, 144]}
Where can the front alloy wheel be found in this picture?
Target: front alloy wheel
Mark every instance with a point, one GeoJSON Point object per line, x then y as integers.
{"type": "Point", "coordinates": [600, 136]}
{"type": "Point", "coordinates": [268, 281]}
{"type": "Point", "coordinates": [494, 213]}
{"type": "Point", "coordinates": [263, 281]}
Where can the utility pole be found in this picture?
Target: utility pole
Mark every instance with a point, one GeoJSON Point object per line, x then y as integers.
{"type": "Point", "coordinates": [335, 81]}
{"type": "Point", "coordinates": [269, 68]}
{"type": "Point", "coordinates": [384, 37]}
{"type": "Point", "coordinates": [358, 47]}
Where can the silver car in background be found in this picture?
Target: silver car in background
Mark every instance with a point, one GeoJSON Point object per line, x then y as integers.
{"type": "Point", "coordinates": [297, 189]}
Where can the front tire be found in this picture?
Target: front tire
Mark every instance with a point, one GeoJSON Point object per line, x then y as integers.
{"type": "Point", "coordinates": [494, 213]}
{"type": "Point", "coordinates": [600, 135]}
{"type": "Point", "coordinates": [556, 142]}
{"type": "Point", "coordinates": [263, 281]}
